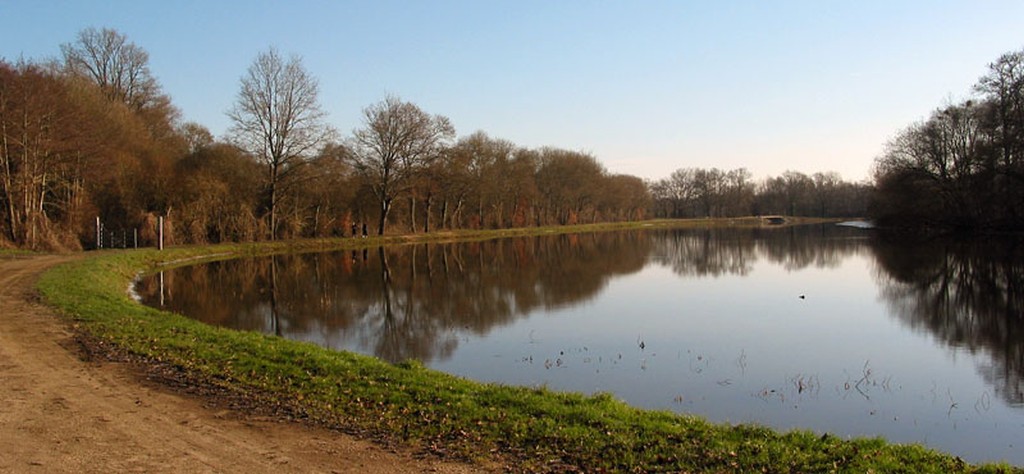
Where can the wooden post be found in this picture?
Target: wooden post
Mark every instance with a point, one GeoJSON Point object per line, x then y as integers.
{"type": "Point", "coordinates": [99, 234]}
{"type": "Point", "coordinates": [135, 237]}
{"type": "Point", "coordinates": [160, 232]}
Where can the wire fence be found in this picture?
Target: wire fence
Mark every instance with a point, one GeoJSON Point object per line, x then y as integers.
{"type": "Point", "coordinates": [122, 237]}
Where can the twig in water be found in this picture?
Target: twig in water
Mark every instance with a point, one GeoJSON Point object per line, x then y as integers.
{"type": "Point", "coordinates": [866, 379]}
{"type": "Point", "coordinates": [741, 362]}
{"type": "Point", "coordinates": [983, 403]}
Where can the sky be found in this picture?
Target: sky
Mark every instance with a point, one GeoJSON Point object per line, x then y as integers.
{"type": "Point", "coordinates": [647, 87]}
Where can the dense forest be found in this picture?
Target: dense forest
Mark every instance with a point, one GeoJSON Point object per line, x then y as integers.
{"type": "Point", "coordinates": [963, 167]}
{"type": "Point", "coordinates": [91, 140]}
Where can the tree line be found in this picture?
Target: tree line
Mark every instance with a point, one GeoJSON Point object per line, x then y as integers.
{"type": "Point", "coordinates": [86, 135]}
{"type": "Point", "coordinates": [701, 192]}
{"type": "Point", "coordinates": [92, 134]}
{"type": "Point", "coordinates": [962, 167]}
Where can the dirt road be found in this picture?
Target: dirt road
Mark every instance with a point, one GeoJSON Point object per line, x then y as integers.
{"type": "Point", "coordinates": [59, 413]}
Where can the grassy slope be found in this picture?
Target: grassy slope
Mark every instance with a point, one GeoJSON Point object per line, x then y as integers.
{"type": "Point", "coordinates": [537, 428]}
{"type": "Point", "coordinates": [10, 252]}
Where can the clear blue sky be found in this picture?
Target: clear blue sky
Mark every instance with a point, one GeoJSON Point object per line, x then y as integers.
{"type": "Point", "coordinates": [646, 86]}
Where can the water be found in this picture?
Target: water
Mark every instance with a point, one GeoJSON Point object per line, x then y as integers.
{"type": "Point", "coordinates": [821, 327]}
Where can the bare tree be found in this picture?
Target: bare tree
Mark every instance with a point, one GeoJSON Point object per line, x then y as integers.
{"type": "Point", "coordinates": [570, 183]}
{"type": "Point", "coordinates": [486, 161]}
{"type": "Point", "coordinates": [399, 140]}
{"type": "Point", "coordinates": [825, 192]}
{"type": "Point", "coordinates": [1003, 86]}
{"type": "Point", "coordinates": [709, 186]}
{"type": "Point", "coordinates": [277, 118]}
{"type": "Point", "coordinates": [118, 66]}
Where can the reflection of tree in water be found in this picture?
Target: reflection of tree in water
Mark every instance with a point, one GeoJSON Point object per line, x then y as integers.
{"type": "Point", "coordinates": [820, 246]}
{"type": "Point", "coordinates": [401, 302]}
{"type": "Point", "coordinates": [704, 252]}
{"type": "Point", "coordinates": [432, 292]}
{"type": "Point", "coordinates": [733, 251]}
{"type": "Point", "coordinates": [968, 294]}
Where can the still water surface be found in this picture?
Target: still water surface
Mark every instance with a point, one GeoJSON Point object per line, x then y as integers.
{"type": "Point", "coordinates": [825, 328]}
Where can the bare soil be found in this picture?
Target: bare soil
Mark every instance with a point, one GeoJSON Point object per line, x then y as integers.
{"type": "Point", "coordinates": [64, 410]}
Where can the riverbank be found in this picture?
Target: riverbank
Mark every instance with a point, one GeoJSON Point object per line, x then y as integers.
{"type": "Point", "coordinates": [532, 429]}
{"type": "Point", "coordinates": [66, 408]}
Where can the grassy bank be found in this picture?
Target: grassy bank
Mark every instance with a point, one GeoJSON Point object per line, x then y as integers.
{"type": "Point", "coordinates": [536, 429]}
{"type": "Point", "coordinates": [11, 252]}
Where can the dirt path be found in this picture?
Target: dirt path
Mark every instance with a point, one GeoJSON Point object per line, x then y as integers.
{"type": "Point", "coordinates": [61, 414]}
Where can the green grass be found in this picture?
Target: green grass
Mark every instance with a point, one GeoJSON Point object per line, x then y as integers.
{"type": "Point", "coordinates": [533, 429]}
{"type": "Point", "coordinates": [11, 252]}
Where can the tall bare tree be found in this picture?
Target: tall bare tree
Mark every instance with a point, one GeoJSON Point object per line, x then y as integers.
{"type": "Point", "coordinates": [118, 66]}
{"type": "Point", "coordinates": [1003, 86]}
{"type": "Point", "coordinates": [277, 118]}
{"type": "Point", "coordinates": [398, 141]}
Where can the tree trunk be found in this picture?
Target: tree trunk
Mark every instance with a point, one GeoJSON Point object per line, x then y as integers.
{"type": "Point", "coordinates": [385, 207]}
{"type": "Point", "coordinates": [412, 214]}
{"type": "Point", "coordinates": [426, 218]}
{"type": "Point", "coordinates": [499, 215]}
{"type": "Point", "coordinates": [273, 202]}
{"type": "Point", "coordinates": [514, 215]}
{"type": "Point", "coordinates": [444, 212]}
{"type": "Point", "coordinates": [8, 187]}
{"type": "Point", "coordinates": [12, 222]}
{"type": "Point", "coordinates": [457, 214]}
{"type": "Point", "coordinates": [316, 221]}
{"type": "Point", "coordinates": [480, 213]}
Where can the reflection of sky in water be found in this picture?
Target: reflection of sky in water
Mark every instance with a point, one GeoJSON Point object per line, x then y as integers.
{"type": "Point", "coordinates": [725, 334]}
{"type": "Point", "coordinates": [748, 349]}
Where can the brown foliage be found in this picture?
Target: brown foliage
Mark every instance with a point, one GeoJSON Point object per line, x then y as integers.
{"type": "Point", "coordinates": [96, 137]}
{"type": "Point", "coordinates": [42, 155]}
